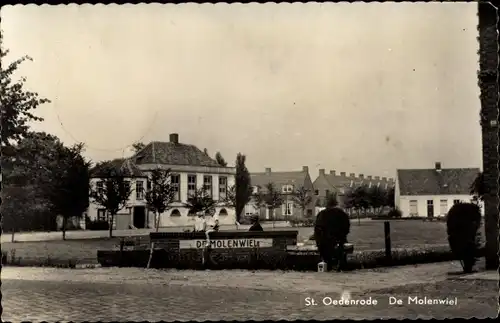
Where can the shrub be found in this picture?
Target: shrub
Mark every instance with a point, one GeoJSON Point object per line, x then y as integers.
{"type": "Point", "coordinates": [98, 225]}
{"type": "Point", "coordinates": [332, 227]}
{"type": "Point", "coordinates": [463, 222]}
{"type": "Point", "coordinates": [395, 213]}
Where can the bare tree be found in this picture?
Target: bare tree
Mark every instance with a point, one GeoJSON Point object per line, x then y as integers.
{"type": "Point", "coordinates": [302, 198]}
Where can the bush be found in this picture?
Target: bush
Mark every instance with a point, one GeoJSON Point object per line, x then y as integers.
{"type": "Point", "coordinates": [331, 228]}
{"type": "Point", "coordinates": [395, 213]}
{"type": "Point", "coordinates": [463, 223]}
{"type": "Point", "coordinates": [97, 225]}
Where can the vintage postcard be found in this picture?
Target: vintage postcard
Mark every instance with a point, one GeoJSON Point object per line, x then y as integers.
{"type": "Point", "coordinates": [268, 161]}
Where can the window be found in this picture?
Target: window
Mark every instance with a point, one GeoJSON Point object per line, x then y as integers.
{"type": "Point", "coordinates": [443, 206]}
{"type": "Point", "coordinates": [287, 208]}
{"type": "Point", "coordinates": [430, 202]}
{"type": "Point", "coordinates": [207, 184]}
{"type": "Point", "coordinates": [456, 201]}
{"type": "Point", "coordinates": [223, 212]}
{"type": "Point", "coordinates": [100, 187]}
{"type": "Point", "coordinates": [127, 185]}
{"type": "Point", "coordinates": [413, 207]}
{"type": "Point", "coordinates": [222, 188]}
{"type": "Point", "coordinates": [175, 212]}
{"type": "Point", "coordinates": [175, 180]}
{"type": "Point", "coordinates": [139, 190]}
{"type": "Point", "coordinates": [101, 215]}
{"type": "Point", "coordinates": [191, 185]}
{"type": "Point", "coordinates": [287, 188]}
{"type": "Point", "coordinates": [316, 192]}
{"type": "Point", "coordinates": [327, 192]}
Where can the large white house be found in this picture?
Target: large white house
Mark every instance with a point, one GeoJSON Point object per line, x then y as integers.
{"type": "Point", "coordinates": [191, 169]}
{"type": "Point", "coordinates": [432, 192]}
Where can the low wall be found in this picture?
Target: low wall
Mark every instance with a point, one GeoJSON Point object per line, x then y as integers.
{"type": "Point", "coordinates": [229, 249]}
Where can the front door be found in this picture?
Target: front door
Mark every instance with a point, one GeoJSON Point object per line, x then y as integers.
{"type": "Point", "coordinates": [430, 208]}
{"type": "Point", "coordinates": [139, 217]}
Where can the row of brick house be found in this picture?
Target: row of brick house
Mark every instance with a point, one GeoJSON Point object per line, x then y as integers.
{"type": "Point", "coordinates": [425, 192]}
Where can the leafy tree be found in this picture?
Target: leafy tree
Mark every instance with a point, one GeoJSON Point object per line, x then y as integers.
{"type": "Point", "coordinates": [161, 194]}
{"type": "Point", "coordinates": [477, 188]}
{"type": "Point", "coordinates": [17, 103]}
{"type": "Point", "coordinates": [201, 202]}
{"type": "Point", "coordinates": [271, 198]}
{"type": "Point", "coordinates": [69, 187]}
{"type": "Point", "coordinates": [138, 146]}
{"type": "Point", "coordinates": [114, 193]}
{"type": "Point", "coordinates": [390, 196]}
{"type": "Point", "coordinates": [243, 185]}
{"type": "Point", "coordinates": [377, 198]}
{"type": "Point", "coordinates": [220, 160]}
{"type": "Point", "coordinates": [302, 198]}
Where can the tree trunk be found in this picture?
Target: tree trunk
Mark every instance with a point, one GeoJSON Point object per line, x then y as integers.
{"type": "Point", "coordinates": [150, 254]}
{"type": "Point", "coordinates": [111, 216]}
{"type": "Point", "coordinates": [157, 221]}
{"type": "Point", "coordinates": [64, 220]}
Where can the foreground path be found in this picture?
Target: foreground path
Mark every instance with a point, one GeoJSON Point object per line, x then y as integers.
{"type": "Point", "coordinates": [110, 294]}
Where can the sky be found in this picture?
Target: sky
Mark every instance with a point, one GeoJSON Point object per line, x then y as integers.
{"type": "Point", "coordinates": [353, 87]}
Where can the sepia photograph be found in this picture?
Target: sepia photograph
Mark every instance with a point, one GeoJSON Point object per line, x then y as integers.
{"type": "Point", "coordinates": [275, 161]}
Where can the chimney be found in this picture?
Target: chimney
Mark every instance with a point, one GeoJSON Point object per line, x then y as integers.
{"type": "Point", "coordinates": [352, 175]}
{"type": "Point", "coordinates": [361, 176]}
{"type": "Point", "coordinates": [322, 171]}
{"type": "Point", "coordinates": [369, 178]}
{"type": "Point", "coordinates": [377, 178]}
{"type": "Point", "coordinates": [342, 174]}
{"type": "Point", "coordinates": [305, 169]}
{"type": "Point", "coordinates": [438, 166]}
{"type": "Point", "coordinates": [384, 178]}
{"type": "Point", "coordinates": [268, 171]}
{"type": "Point", "coordinates": [174, 138]}
{"type": "Point", "coordinates": [332, 172]}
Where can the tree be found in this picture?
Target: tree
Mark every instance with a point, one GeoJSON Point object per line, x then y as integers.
{"type": "Point", "coordinates": [377, 198]}
{"type": "Point", "coordinates": [201, 202]}
{"type": "Point", "coordinates": [271, 198]}
{"type": "Point", "coordinates": [477, 188]}
{"type": "Point", "coordinates": [161, 194]}
{"type": "Point", "coordinates": [27, 176]}
{"type": "Point", "coordinates": [243, 185]}
{"type": "Point", "coordinates": [114, 192]}
{"type": "Point", "coordinates": [205, 151]}
{"type": "Point", "coordinates": [69, 186]}
{"type": "Point", "coordinates": [17, 104]}
{"type": "Point", "coordinates": [220, 160]}
{"type": "Point", "coordinates": [302, 198]}
{"type": "Point", "coordinates": [390, 196]}
{"type": "Point", "coordinates": [138, 146]}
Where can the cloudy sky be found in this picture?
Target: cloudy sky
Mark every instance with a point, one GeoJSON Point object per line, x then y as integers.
{"type": "Point", "coordinates": [363, 88]}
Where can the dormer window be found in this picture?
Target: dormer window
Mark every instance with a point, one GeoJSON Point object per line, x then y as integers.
{"type": "Point", "coordinates": [287, 188]}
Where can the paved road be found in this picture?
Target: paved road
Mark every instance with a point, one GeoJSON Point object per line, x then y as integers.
{"type": "Point", "coordinates": [51, 300]}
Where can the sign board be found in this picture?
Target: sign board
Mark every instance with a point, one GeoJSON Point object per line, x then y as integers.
{"type": "Point", "coordinates": [226, 243]}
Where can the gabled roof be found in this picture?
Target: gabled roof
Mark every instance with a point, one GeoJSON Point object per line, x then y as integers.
{"type": "Point", "coordinates": [297, 179]}
{"type": "Point", "coordinates": [170, 153]}
{"type": "Point", "coordinates": [432, 182]}
{"type": "Point", "coordinates": [128, 168]}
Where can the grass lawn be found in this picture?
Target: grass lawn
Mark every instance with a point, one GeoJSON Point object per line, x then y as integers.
{"type": "Point", "coordinates": [368, 235]}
